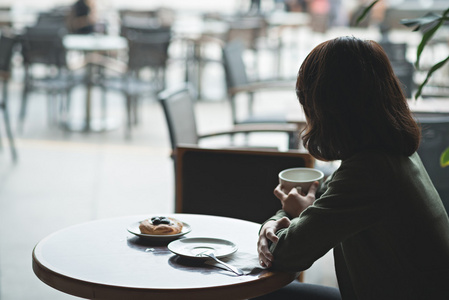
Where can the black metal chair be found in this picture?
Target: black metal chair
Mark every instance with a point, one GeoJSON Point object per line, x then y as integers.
{"type": "Point", "coordinates": [42, 46]}
{"type": "Point", "coordinates": [251, 31]}
{"type": "Point", "coordinates": [247, 29]}
{"type": "Point", "coordinates": [238, 83]}
{"type": "Point", "coordinates": [435, 139]}
{"type": "Point", "coordinates": [6, 50]}
{"type": "Point", "coordinates": [150, 50]}
{"type": "Point", "coordinates": [178, 106]}
{"type": "Point", "coordinates": [129, 28]}
{"type": "Point", "coordinates": [147, 51]}
{"type": "Point", "coordinates": [162, 17]}
{"type": "Point", "coordinates": [236, 183]}
{"type": "Point", "coordinates": [56, 17]}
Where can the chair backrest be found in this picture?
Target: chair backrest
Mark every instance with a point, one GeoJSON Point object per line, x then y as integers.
{"type": "Point", "coordinates": [178, 106]}
{"type": "Point", "coordinates": [247, 30]}
{"type": "Point", "coordinates": [161, 17]}
{"type": "Point", "coordinates": [43, 45]}
{"type": "Point", "coordinates": [129, 28]}
{"type": "Point", "coordinates": [148, 50]}
{"type": "Point", "coordinates": [235, 183]}
{"type": "Point", "coordinates": [234, 66]}
{"type": "Point", "coordinates": [56, 18]}
{"type": "Point", "coordinates": [6, 50]}
{"type": "Point", "coordinates": [435, 139]}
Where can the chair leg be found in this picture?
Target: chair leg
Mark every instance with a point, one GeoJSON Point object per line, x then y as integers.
{"type": "Point", "coordinates": [9, 134]}
{"type": "Point", "coordinates": [1, 143]}
{"type": "Point", "coordinates": [52, 101]}
{"type": "Point", "coordinates": [23, 107]}
{"type": "Point", "coordinates": [135, 106]}
{"type": "Point", "coordinates": [7, 122]}
{"type": "Point", "coordinates": [163, 78]}
{"type": "Point", "coordinates": [104, 104]}
{"type": "Point", "coordinates": [65, 107]}
{"type": "Point", "coordinates": [129, 101]}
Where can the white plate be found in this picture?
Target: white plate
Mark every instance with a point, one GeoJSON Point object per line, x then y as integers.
{"type": "Point", "coordinates": [134, 229]}
{"type": "Point", "coordinates": [191, 247]}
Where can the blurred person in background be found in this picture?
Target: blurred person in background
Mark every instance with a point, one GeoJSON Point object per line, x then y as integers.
{"type": "Point", "coordinates": [82, 17]}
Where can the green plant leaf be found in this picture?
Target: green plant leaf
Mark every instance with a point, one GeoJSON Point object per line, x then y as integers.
{"type": "Point", "coordinates": [429, 74]}
{"type": "Point", "coordinates": [428, 35]}
{"type": "Point", "coordinates": [425, 38]}
{"type": "Point", "coordinates": [365, 12]}
{"type": "Point", "coordinates": [444, 158]}
{"type": "Point", "coordinates": [424, 23]}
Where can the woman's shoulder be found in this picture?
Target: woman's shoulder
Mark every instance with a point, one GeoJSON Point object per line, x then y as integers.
{"type": "Point", "coordinates": [376, 158]}
{"type": "Point", "coordinates": [372, 164]}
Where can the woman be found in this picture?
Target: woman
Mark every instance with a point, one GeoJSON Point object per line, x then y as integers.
{"type": "Point", "coordinates": [380, 212]}
{"type": "Point", "coordinates": [82, 17]}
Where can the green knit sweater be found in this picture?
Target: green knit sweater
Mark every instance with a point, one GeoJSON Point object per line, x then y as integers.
{"type": "Point", "coordinates": [387, 225]}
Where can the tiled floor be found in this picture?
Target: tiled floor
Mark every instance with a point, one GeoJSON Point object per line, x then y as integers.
{"type": "Point", "coordinates": [64, 178]}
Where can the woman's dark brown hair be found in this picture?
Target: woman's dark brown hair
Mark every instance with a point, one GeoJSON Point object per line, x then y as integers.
{"type": "Point", "coordinates": [353, 102]}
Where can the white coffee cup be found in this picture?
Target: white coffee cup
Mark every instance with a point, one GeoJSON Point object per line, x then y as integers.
{"type": "Point", "coordinates": [299, 178]}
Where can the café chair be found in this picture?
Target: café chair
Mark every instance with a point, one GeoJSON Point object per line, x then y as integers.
{"type": "Point", "coordinates": [161, 17]}
{"type": "Point", "coordinates": [150, 50]}
{"type": "Point", "coordinates": [179, 111]}
{"type": "Point", "coordinates": [146, 52]}
{"type": "Point", "coordinates": [7, 44]}
{"type": "Point", "coordinates": [130, 28]}
{"type": "Point", "coordinates": [46, 69]}
{"type": "Point", "coordinates": [434, 140]}
{"type": "Point", "coordinates": [236, 183]}
{"type": "Point", "coordinates": [249, 30]}
{"type": "Point", "coordinates": [56, 17]}
{"type": "Point", "coordinates": [238, 83]}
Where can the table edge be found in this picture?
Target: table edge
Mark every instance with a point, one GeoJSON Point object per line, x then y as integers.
{"type": "Point", "coordinates": [89, 290]}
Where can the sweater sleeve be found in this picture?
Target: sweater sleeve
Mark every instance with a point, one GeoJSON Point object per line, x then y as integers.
{"type": "Point", "coordinates": [352, 203]}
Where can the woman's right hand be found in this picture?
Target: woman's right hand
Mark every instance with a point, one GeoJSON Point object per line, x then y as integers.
{"type": "Point", "coordinates": [267, 234]}
{"type": "Point", "coordinates": [293, 202]}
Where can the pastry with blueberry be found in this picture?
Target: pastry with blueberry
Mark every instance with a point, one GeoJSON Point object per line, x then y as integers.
{"type": "Point", "coordinates": [160, 226]}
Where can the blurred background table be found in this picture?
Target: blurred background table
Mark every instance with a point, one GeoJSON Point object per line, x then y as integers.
{"type": "Point", "coordinates": [91, 44]}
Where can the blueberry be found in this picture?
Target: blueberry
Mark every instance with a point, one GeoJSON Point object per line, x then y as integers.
{"type": "Point", "coordinates": [165, 221]}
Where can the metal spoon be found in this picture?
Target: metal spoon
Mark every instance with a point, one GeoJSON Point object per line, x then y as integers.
{"type": "Point", "coordinates": [210, 253]}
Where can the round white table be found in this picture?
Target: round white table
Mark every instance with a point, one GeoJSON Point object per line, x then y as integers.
{"type": "Point", "coordinates": [101, 260]}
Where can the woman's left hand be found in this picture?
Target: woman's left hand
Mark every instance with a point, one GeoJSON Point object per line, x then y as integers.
{"type": "Point", "coordinates": [295, 203]}
{"type": "Point", "coordinates": [268, 234]}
